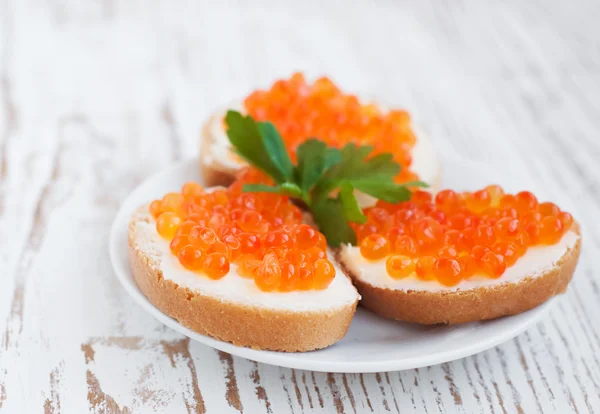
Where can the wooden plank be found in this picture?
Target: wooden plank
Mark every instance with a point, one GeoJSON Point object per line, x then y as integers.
{"type": "Point", "coordinates": [100, 95]}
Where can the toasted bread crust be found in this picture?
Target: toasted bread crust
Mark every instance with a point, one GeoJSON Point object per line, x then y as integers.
{"type": "Point", "coordinates": [250, 326]}
{"type": "Point", "coordinates": [482, 303]}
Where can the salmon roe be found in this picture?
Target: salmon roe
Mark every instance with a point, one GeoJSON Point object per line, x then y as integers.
{"type": "Point", "coordinates": [453, 236]}
{"type": "Point", "coordinates": [300, 110]}
{"type": "Point", "coordinates": [262, 234]}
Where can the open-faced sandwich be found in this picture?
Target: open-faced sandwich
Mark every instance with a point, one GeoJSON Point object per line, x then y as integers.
{"type": "Point", "coordinates": [461, 257]}
{"type": "Point", "coordinates": [250, 263]}
{"type": "Point", "coordinates": [300, 110]}
{"type": "Point", "coordinates": [240, 267]}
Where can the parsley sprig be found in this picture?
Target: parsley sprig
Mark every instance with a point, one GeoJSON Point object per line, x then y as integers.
{"type": "Point", "coordinates": [320, 173]}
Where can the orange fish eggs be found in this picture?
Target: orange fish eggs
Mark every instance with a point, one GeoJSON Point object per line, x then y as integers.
{"type": "Point", "coordinates": [399, 266]}
{"type": "Point", "coordinates": [307, 237]}
{"type": "Point", "coordinates": [191, 257]}
{"type": "Point", "coordinates": [453, 236]}
{"type": "Point", "coordinates": [324, 272]}
{"type": "Point", "coordinates": [167, 224]}
{"type": "Point", "coordinates": [191, 190]}
{"type": "Point", "coordinates": [374, 247]}
{"type": "Point", "coordinates": [216, 265]}
{"type": "Point", "coordinates": [202, 236]}
{"type": "Point", "coordinates": [447, 271]}
{"type": "Point", "coordinates": [261, 234]}
{"type": "Point", "coordinates": [300, 110]}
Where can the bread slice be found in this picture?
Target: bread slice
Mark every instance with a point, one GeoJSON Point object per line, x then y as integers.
{"type": "Point", "coordinates": [219, 164]}
{"type": "Point", "coordinates": [536, 277]}
{"type": "Point", "coordinates": [233, 309]}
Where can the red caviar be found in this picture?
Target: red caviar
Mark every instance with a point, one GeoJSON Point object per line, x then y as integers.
{"type": "Point", "coordinates": [262, 234]}
{"type": "Point", "coordinates": [399, 266]}
{"type": "Point", "coordinates": [453, 236]}
{"type": "Point", "coordinates": [324, 272]}
{"type": "Point", "coordinates": [216, 265]}
{"type": "Point", "coordinates": [300, 110]}
{"type": "Point", "coordinates": [447, 271]}
{"type": "Point", "coordinates": [191, 257]}
{"type": "Point", "coordinates": [374, 247]}
{"type": "Point", "coordinates": [167, 224]}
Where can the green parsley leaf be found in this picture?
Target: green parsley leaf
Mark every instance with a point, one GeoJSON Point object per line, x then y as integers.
{"type": "Point", "coordinates": [352, 210]}
{"type": "Point", "coordinates": [330, 217]}
{"type": "Point", "coordinates": [261, 188]}
{"type": "Point", "coordinates": [276, 150]}
{"type": "Point", "coordinates": [383, 190]}
{"type": "Point", "coordinates": [291, 189]}
{"type": "Point", "coordinates": [422, 184]}
{"type": "Point", "coordinates": [332, 157]}
{"type": "Point", "coordinates": [244, 134]}
{"type": "Point", "coordinates": [320, 171]}
{"type": "Point", "coordinates": [286, 189]}
{"type": "Point", "coordinates": [313, 159]}
{"type": "Point", "coordinates": [354, 165]}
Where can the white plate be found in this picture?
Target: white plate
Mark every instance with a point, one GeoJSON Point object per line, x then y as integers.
{"type": "Point", "coordinates": [372, 344]}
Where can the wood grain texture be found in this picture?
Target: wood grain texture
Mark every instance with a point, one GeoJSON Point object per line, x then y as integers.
{"type": "Point", "coordinates": [95, 96]}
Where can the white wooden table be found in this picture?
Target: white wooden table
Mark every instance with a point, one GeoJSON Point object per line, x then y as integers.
{"type": "Point", "coordinates": [96, 96]}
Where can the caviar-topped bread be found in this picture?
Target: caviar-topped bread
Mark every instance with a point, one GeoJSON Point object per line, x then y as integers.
{"type": "Point", "coordinates": [301, 110]}
{"type": "Point", "coordinates": [244, 263]}
{"type": "Point", "coordinates": [461, 257]}
{"type": "Point", "coordinates": [240, 267]}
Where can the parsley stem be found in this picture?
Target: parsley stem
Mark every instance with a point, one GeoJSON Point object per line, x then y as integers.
{"type": "Point", "coordinates": [306, 198]}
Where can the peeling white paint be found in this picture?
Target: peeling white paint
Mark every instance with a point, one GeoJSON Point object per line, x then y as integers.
{"type": "Point", "coordinates": [83, 92]}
